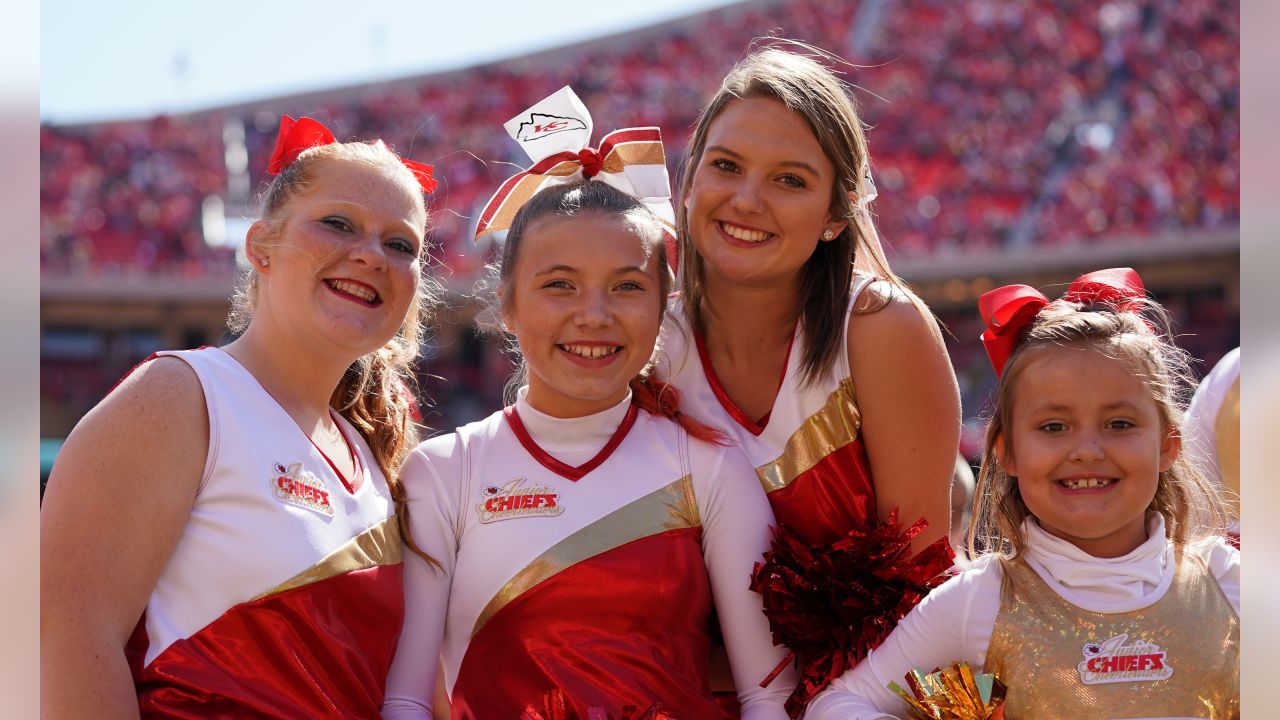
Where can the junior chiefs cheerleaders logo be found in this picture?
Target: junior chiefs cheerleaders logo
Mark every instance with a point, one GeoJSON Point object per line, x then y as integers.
{"type": "Point", "coordinates": [300, 487]}
{"type": "Point", "coordinates": [1113, 661]}
{"type": "Point", "coordinates": [515, 500]}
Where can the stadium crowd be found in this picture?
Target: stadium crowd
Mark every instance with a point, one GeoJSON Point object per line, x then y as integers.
{"type": "Point", "coordinates": [994, 123]}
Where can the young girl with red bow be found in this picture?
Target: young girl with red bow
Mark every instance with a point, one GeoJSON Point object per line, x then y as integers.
{"type": "Point", "coordinates": [585, 531]}
{"type": "Point", "coordinates": [1105, 588]}
{"type": "Point", "coordinates": [220, 535]}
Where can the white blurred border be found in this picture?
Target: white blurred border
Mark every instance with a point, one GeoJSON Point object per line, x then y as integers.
{"type": "Point", "coordinates": [1260, 357]}
{"type": "Point", "coordinates": [19, 358]}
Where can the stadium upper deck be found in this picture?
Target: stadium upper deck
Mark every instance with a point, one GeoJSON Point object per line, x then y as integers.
{"type": "Point", "coordinates": [996, 125]}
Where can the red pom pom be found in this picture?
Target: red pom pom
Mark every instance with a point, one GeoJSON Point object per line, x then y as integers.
{"type": "Point", "coordinates": [831, 604]}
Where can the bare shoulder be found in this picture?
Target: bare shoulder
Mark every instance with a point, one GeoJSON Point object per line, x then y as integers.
{"type": "Point", "coordinates": [156, 416]}
{"type": "Point", "coordinates": [900, 364]}
{"type": "Point", "coordinates": [887, 319]}
{"type": "Point", "coordinates": [118, 498]}
{"type": "Point", "coordinates": [875, 296]}
{"type": "Point", "coordinates": [163, 395]}
{"type": "Point", "coordinates": [156, 381]}
{"type": "Point", "coordinates": [910, 406]}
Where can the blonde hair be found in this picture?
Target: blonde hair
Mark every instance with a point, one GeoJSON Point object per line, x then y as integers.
{"type": "Point", "coordinates": [375, 392]}
{"type": "Point", "coordinates": [1190, 504]}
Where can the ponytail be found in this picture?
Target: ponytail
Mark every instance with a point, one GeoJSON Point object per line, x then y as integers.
{"type": "Point", "coordinates": [658, 398]}
{"type": "Point", "coordinates": [374, 395]}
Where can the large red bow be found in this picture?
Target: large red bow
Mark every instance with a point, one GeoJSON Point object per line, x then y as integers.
{"type": "Point", "coordinates": [1008, 311]}
{"type": "Point", "coordinates": [305, 133]}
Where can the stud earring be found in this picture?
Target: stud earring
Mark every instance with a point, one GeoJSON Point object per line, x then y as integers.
{"type": "Point", "coordinates": [265, 262]}
{"type": "Point", "coordinates": [828, 234]}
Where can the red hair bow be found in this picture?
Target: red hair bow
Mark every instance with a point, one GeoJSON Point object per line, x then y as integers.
{"type": "Point", "coordinates": [1008, 311]}
{"type": "Point", "coordinates": [295, 136]}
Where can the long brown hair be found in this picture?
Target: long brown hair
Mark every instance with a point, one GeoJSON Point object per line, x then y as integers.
{"type": "Point", "coordinates": [805, 83]}
{"type": "Point", "coordinates": [1190, 504]}
{"type": "Point", "coordinates": [375, 392]}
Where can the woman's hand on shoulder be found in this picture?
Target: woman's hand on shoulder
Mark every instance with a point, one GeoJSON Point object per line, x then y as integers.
{"type": "Point", "coordinates": [117, 500]}
{"type": "Point", "coordinates": [906, 391]}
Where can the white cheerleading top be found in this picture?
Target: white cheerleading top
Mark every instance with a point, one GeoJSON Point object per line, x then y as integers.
{"type": "Point", "coordinates": [284, 595]}
{"type": "Point", "coordinates": [507, 520]}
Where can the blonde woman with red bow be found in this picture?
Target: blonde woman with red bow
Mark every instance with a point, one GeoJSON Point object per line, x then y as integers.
{"type": "Point", "coordinates": [219, 537]}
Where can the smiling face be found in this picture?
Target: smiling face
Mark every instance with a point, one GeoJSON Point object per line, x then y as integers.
{"type": "Point", "coordinates": [343, 258]}
{"type": "Point", "coordinates": [584, 301]}
{"type": "Point", "coordinates": [760, 196]}
{"type": "Point", "coordinates": [1087, 445]}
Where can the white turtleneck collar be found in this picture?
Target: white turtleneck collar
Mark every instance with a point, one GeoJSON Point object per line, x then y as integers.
{"type": "Point", "coordinates": [571, 440]}
{"type": "Point", "coordinates": [1111, 585]}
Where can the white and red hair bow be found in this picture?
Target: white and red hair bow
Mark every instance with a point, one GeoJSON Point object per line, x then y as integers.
{"type": "Point", "coordinates": [556, 134]}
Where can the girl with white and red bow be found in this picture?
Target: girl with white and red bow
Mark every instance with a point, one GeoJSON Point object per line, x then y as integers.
{"type": "Point", "coordinates": [220, 535]}
{"type": "Point", "coordinates": [583, 533]}
{"type": "Point", "coordinates": [1104, 587]}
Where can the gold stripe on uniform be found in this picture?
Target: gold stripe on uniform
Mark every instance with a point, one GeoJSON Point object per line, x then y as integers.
{"type": "Point", "coordinates": [831, 428]}
{"type": "Point", "coordinates": [379, 545]}
{"type": "Point", "coordinates": [669, 508]}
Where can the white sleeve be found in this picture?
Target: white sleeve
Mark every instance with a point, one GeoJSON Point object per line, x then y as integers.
{"type": "Point", "coordinates": [432, 477]}
{"type": "Point", "coordinates": [1200, 425]}
{"type": "Point", "coordinates": [1224, 562]}
{"type": "Point", "coordinates": [953, 623]}
{"type": "Point", "coordinates": [735, 533]}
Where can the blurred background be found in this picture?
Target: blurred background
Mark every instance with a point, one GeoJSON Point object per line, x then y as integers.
{"type": "Point", "coordinates": [1011, 141]}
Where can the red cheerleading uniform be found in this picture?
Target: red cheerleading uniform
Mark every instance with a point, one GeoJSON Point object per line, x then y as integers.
{"type": "Point", "coordinates": [809, 457]}
{"type": "Point", "coordinates": [807, 451]}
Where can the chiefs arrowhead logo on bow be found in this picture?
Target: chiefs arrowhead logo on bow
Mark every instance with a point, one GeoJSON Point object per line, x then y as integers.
{"type": "Point", "coordinates": [540, 125]}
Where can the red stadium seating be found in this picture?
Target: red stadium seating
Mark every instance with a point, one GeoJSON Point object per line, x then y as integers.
{"type": "Point", "coordinates": [993, 124]}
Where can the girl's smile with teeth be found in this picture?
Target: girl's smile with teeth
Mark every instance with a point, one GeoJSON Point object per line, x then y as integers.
{"type": "Point", "coordinates": [346, 265]}
{"type": "Point", "coordinates": [744, 234]}
{"type": "Point", "coordinates": [585, 314]}
{"type": "Point", "coordinates": [590, 351]}
{"type": "Point", "coordinates": [759, 196]}
{"type": "Point", "coordinates": [1085, 483]}
{"type": "Point", "coordinates": [1087, 454]}
{"type": "Point", "coordinates": [359, 291]}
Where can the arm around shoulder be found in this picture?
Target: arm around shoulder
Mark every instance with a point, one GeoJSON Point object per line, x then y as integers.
{"type": "Point", "coordinates": [910, 405]}
{"type": "Point", "coordinates": [118, 498]}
